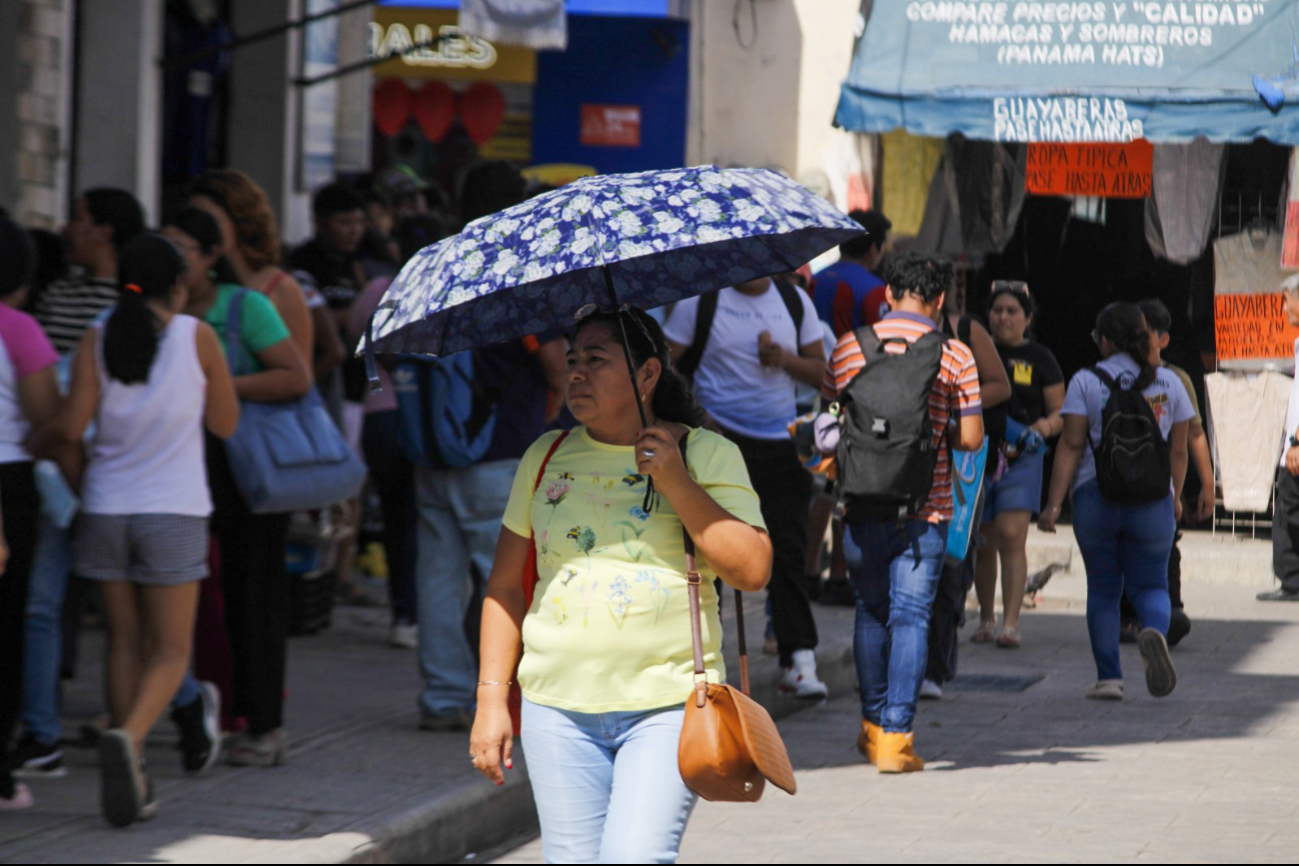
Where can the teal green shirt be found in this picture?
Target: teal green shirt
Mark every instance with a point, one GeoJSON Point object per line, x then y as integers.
{"type": "Point", "coordinates": [260, 324]}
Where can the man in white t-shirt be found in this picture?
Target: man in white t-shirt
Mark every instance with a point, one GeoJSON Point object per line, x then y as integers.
{"type": "Point", "coordinates": [1285, 510]}
{"type": "Point", "coordinates": [748, 347]}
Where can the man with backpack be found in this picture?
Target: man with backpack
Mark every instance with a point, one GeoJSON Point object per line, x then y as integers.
{"type": "Point", "coordinates": [907, 396]}
{"type": "Point", "coordinates": [747, 347]}
{"type": "Point", "coordinates": [466, 422]}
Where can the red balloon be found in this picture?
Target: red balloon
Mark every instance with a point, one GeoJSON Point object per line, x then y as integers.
{"type": "Point", "coordinates": [482, 108]}
{"type": "Point", "coordinates": [435, 109]}
{"type": "Point", "coordinates": [392, 105]}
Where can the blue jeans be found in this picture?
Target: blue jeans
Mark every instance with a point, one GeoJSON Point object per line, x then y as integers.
{"type": "Point", "coordinates": [1122, 544]}
{"type": "Point", "coordinates": [895, 582]}
{"type": "Point", "coordinates": [43, 636]}
{"type": "Point", "coordinates": [460, 514]}
{"type": "Point", "coordinates": [607, 785]}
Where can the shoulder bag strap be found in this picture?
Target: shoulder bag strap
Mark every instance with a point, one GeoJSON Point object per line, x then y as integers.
{"type": "Point", "coordinates": [693, 582]}
{"type": "Point", "coordinates": [541, 473]}
{"type": "Point", "coordinates": [704, 315]}
{"type": "Point", "coordinates": [234, 334]}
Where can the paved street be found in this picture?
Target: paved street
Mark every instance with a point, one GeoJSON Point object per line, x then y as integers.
{"type": "Point", "coordinates": [1208, 774]}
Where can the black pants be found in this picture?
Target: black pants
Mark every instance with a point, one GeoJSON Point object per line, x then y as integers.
{"type": "Point", "coordinates": [256, 591]}
{"type": "Point", "coordinates": [21, 506]}
{"type": "Point", "coordinates": [1285, 531]}
{"type": "Point", "coordinates": [394, 480]}
{"type": "Point", "coordinates": [785, 490]}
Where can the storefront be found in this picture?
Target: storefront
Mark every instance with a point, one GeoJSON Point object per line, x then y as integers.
{"type": "Point", "coordinates": [613, 100]}
{"type": "Point", "coordinates": [1100, 151]}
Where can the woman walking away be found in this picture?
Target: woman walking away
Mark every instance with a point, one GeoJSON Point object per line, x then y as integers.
{"type": "Point", "coordinates": [151, 378]}
{"type": "Point", "coordinates": [1015, 498]}
{"type": "Point", "coordinates": [1124, 454]}
{"type": "Point", "coordinates": [254, 583]}
{"type": "Point", "coordinates": [607, 660]}
{"type": "Point", "coordinates": [29, 396]}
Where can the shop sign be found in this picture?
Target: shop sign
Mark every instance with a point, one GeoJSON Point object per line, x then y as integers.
{"type": "Point", "coordinates": [1252, 327]}
{"type": "Point", "coordinates": [1092, 170]}
{"type": "Point", "coordinates": [458, 57]}
{"type": "Point", "coordinates": [610, 125]}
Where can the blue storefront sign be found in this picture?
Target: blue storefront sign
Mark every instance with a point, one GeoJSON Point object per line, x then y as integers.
{"type": "Point", "coordinates": [1077, 70]}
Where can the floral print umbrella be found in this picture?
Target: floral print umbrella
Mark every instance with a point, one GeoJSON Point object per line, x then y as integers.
{"type": "Point", "coordinates": [646, 239]}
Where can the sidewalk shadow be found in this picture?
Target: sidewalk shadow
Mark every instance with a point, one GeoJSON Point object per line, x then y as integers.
{"type": "Point", "coordinates": [1027, 706]}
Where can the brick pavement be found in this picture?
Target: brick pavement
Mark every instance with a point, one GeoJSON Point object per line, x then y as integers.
{"type": "Point", "coordinates": [1208, 774]}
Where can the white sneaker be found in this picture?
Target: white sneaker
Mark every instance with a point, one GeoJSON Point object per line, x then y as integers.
{"type": "Point", "coordinates": [404, 636]}
{"type": "Point", "coordinates": [800, 680]}
{"type": "Point", "coordinates": [930, 691]}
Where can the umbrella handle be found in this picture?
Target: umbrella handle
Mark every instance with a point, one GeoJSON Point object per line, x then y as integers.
{"type": "Point", "coordinates": [371, 366]}
{"type": "Point", "coordinates": [648, 504]}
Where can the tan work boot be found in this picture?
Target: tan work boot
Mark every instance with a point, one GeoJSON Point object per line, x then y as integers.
{"type": "Point", "coordinates": [895, 753]}
{"type": "Point", "coordinates": [868, 740]}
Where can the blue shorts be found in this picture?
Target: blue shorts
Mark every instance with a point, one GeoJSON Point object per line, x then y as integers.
{"type": "Point", "coordinates": [1019, 489]}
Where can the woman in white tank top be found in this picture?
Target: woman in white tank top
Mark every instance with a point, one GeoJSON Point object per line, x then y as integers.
{"type": "Point", "coordinates": [151, 379]}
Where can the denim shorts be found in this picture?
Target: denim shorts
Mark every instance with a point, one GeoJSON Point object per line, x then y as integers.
{"type": "Point", "coordinates": [1019, 489]}
{"type": "Point", "coordinates": [153, 549]}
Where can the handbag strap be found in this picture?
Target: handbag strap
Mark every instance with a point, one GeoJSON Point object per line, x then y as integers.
{"type": "Point", "coordinates": [236, 355]}
{"type": "Point", "coordinates": [693, 582]}
{"type": "Point", "coordinates": [541, 473]}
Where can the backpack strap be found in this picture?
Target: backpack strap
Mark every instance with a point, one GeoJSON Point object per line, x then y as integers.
{"type": "Point", "coordinates": [1108, 381]}
{"type": "Point", "coordinates": [794, 304]}
{"type": "Point", "coordinates": [704, 315]}
{"type": "Point", "coordinates": [963, 328]}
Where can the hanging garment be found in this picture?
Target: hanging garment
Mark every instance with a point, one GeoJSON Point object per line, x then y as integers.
{"type": "Point", "coordinates": [1247, 414]}
{"type": "Point", "coordinates": [531, 23]}
{"type": "Point", "coordinates": [974, 199]}
{"type": "Point", "coordinates": [1186, 183]}
{"type": "Point", "coordinates": [908, 167]}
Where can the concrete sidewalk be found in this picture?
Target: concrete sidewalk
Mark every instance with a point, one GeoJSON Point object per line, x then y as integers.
{"type": "Point", "coordinates": [362, 783]}
{"type": "Point", "coordinates": [1022, 768]}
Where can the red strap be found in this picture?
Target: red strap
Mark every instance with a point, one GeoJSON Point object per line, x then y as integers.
{"type": "Point", "coordinates": [530, 578]}
{"type": "Point", "coordinates": [275, 281]}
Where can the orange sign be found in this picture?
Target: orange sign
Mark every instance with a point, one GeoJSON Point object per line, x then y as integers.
{"type": "Point", "coordinates": [1096, 170]}
{"type": "Point", "coordinates": [610, 125]}
{"type": "Point", "coordinates": [1252, 327]}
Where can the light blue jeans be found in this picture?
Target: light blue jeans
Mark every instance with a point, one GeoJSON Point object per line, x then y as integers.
{"type": "Point", "coordinates": [43, 636]}
{"type": "Point", "coordinates": [460, 514]}
{"type": "Point", "coordinates": [607, 785]}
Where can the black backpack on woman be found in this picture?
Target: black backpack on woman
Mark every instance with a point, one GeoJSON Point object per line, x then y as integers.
{"type": "Point", "coordinates": [1133, 463]}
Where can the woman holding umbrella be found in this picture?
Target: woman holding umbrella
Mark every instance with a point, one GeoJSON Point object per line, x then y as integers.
{"type": "Point", "coordinates": [607, 662]}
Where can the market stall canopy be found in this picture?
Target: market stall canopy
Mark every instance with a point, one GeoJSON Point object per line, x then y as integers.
{"type": "Point", "coordinates": [1034, 70]}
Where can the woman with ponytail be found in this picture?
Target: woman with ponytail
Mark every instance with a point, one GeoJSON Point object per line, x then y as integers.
{"type": "Point", "coordinates": [1123, 543]}
{"type": "Point", "coordinates": [254, 584]}
{"type": "Point", "coordinates": [606, 641]}
{"type": "Point", "coordinates": [151, 378]}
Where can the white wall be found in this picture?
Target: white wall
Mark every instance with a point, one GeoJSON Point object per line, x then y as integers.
{"type": "Point", "coordinates": [766, 96]}
{"type": "Point", "coordinates": [119, 98]}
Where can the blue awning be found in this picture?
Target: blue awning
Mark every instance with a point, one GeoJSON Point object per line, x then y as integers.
{"type": "Point", "coordinates": [1074, 71]}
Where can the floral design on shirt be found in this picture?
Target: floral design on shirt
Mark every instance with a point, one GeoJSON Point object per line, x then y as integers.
{"type": "Point", "coordinates": [555, 494]}
{"type": "Point", "coordinates": [619, 601]}
{"type": "Point", "coordinates": [658, 592]}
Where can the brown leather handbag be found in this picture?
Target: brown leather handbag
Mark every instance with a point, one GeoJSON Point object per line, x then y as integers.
{"type": "Point", "coordinates": [730, 747]}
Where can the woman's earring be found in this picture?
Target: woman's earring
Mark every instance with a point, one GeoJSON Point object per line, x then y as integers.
{"type": "Point", "coordinates": [212, 274]}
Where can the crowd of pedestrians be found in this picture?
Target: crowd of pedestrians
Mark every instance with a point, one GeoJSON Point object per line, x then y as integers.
{"type": "Point", "coordinates": [130, 355]}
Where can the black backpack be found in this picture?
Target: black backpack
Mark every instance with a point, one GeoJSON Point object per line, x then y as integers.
{"type": "Point", "coordinates": [707, 311]}
{"type": "Point", "coordinates": [887, 454]}
{"type": "Point", "coordinates": [1133, 463]}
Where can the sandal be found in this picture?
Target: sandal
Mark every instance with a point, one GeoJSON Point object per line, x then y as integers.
{"type": "Point", "coordinates": [985, 633]}
{"type": "Point", "coordinates": [1009, 637]}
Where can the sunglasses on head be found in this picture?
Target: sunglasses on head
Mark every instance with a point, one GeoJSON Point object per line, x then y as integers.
{"type": "Point", "coordinates": [1019, 287]}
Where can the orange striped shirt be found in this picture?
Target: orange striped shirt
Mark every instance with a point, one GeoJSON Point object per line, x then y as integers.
{"type": "Point", "coordinates": [955, 392]}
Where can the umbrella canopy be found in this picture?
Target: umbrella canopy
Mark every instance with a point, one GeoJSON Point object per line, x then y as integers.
{"type": "Point", "coordinates": [653, 237]}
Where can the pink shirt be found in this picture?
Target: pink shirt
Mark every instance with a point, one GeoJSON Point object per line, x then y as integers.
{"type": "Point", "coordinates": [27, 351]}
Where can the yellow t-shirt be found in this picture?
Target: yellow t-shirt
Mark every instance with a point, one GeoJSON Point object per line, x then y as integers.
{"type": "Point", "coordinates": [609, 626]}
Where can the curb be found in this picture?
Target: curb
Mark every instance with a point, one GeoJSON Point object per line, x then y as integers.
{"type": "Point", "coordinates": [473, 817]}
